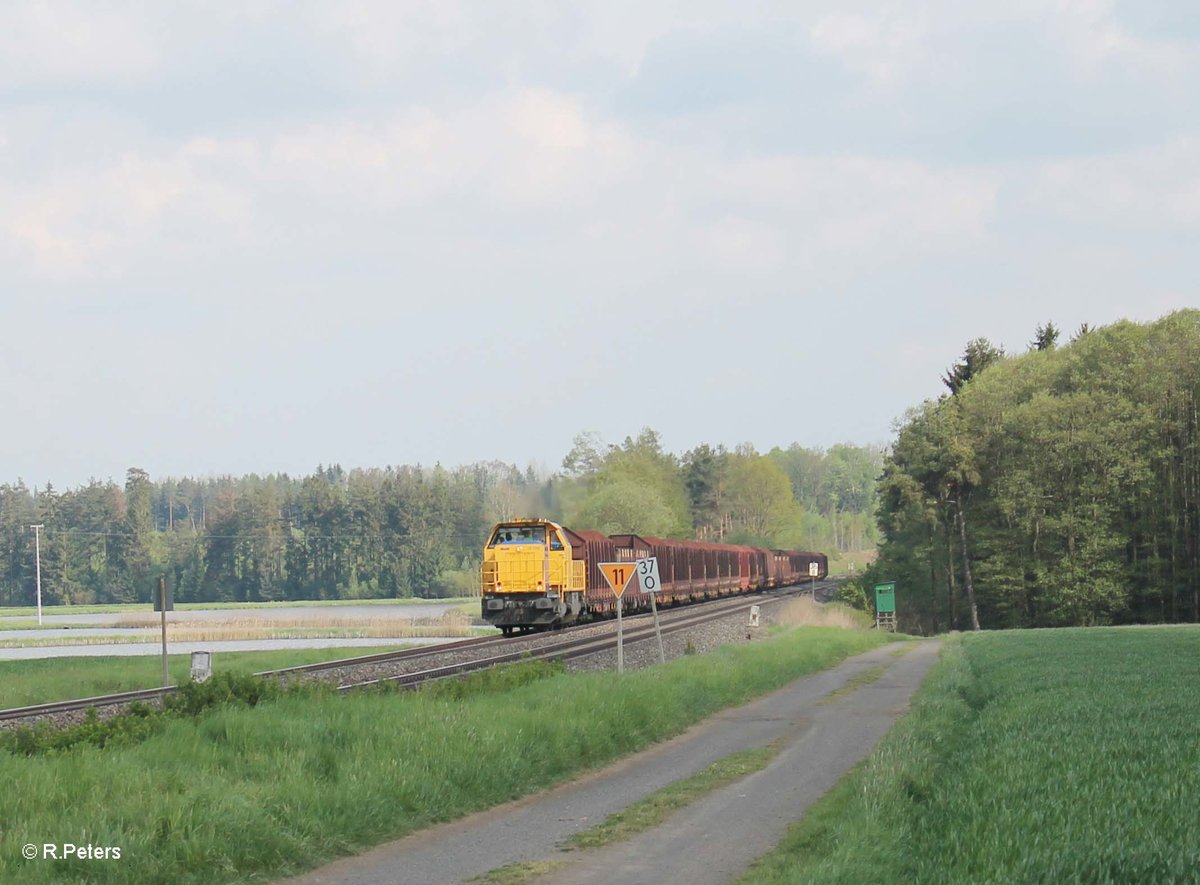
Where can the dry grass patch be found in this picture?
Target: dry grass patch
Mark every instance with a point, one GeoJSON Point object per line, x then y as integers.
{"type": "Point", "coordinates": [518, 873]}
{"type": "Point", "coordinates": [452, 623]}
{"type": "Point", "coordinates": [804, 612]}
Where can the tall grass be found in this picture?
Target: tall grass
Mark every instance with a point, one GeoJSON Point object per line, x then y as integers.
{"type": "Point", "coordinates": [236, 794]}
{"type": "Point", "coordinates": [1032, 756]}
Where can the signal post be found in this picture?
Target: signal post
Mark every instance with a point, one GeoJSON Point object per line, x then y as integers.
{"type": "Point", "coordinates": [648, 576]}
{"type": "Point", "coordinates": [618, 575]}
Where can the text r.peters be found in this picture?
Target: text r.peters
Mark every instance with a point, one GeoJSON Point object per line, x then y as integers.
{"type": "Point", "coordinates": [50, 851]}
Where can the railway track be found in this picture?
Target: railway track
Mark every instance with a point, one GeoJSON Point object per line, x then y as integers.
{"type": "Point", "coordinates": [570, 649]}
{"type": "Point", "coordinates": [537, 646]}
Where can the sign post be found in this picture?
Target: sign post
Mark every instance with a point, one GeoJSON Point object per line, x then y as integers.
{"type": "Point", "coordinates": [162, 607]}
{"type": "Point", "coordinates": [885, 605]}
{"type": "Point", "coordinates": [648, 575]}
{"type": "Point", "coordinates": [618, 575]}
{"type": "Point", "coordinates": [813, 570]}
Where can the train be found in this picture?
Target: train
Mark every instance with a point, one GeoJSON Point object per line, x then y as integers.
{"type": "Point", "coordinates": [539, 575]}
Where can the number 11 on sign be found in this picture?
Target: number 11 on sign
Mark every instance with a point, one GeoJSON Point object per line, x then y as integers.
{"type": "Point", "coordinates": [618, 576]}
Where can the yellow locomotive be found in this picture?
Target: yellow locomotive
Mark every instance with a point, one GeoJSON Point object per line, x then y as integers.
{"type": "Point", "coordinates": [529, 577]}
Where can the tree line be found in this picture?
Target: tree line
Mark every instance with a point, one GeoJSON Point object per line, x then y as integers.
{"type": "Point", "coordinates": [408, 531]}
{"type": "Point", "coordinates": [1056, 487]}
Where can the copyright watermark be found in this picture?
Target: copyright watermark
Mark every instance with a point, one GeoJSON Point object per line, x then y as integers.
{"type": "Point", "coordinates": [69, 851]}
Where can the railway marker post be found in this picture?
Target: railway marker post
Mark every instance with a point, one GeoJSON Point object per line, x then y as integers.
{"type": "Point", "coordinates": [648, 576]}
{"type": "Point", "coordinates": [813, 570]}
{"type": "Point", "coordinates": [162, 604]}
{"type": "Point", "coordinates": [618, 575]}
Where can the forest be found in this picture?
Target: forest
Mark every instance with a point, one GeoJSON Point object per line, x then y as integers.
{"type": "Point", "coordinates": [1056, 487]}
{"type": "Point", "coordinates": [397, 532]}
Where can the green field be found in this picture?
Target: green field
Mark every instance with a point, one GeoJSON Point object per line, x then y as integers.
{"type": "Point", "coordinates": [1029, 756]}
{"type": "Point", "coordinates": [23, 683]}
{"type": "Point", "coordinates": [239, 793]}
{"type": "Point", "coordinates": [28, 610]}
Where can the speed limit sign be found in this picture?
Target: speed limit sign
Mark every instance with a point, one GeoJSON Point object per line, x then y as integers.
{"type": "Point", "coordinates": [647, 570]}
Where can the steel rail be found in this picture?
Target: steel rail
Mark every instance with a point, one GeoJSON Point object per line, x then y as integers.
{"type": "Point", "coordinates": [675, 619]}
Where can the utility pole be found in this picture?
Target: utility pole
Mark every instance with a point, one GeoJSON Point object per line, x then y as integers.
{"type": "Point", "coordinates": [37, 546]}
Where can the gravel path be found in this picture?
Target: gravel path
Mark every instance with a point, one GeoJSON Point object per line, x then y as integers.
{"type": "Point", "coordinates": [708, 842]}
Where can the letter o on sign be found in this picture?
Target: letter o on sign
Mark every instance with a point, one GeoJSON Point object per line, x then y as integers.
{"type": "Point", "coordinates": [648, 574]}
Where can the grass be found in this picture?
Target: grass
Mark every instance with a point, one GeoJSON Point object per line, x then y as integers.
{"type": "Point", "coordinates": [28, 624]}
{"type": "Point", "coordinates": [453, 623]}
{"type": "Point", "coordinates": [23, 683]}
{"type": "Point", "coordinates": [246, 794]}
{"type": "Point", "coordinates": [1030, 756]}
{"type": "Point", "coordinates": [854, 683]}
{"type": "Point", "coordinates": [659, 805]}
{"type": "Point", "coordinates": [518, 873]}
{"type": "Point", "coordinates": [28, 610]}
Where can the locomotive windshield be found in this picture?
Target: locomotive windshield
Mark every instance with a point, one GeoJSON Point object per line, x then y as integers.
{"type": "Point", "coordinates": [519, 534]}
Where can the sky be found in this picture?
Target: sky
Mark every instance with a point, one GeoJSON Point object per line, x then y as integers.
{"type": "Point", "coordinates": [262, 236]}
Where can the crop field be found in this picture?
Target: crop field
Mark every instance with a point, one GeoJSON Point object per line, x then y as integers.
{"type": "Point", "coordinates": [240, 793]}
{"type": "Point", "coordinates": [134, 607]}
{"type": "Point", "coordinates": [44, 680]}
{"type": "Point", "coordinates": [1029, 756]}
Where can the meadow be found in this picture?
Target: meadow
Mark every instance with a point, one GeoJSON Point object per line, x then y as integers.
{"type": "Point", "coordinates": [239, 794]}
{"type": "Point", "coordinates": [23, 683]}
{"type": "Point", "coordinates": [1029, 756]}
{"type": "Point", "coordinates": [135, 607]}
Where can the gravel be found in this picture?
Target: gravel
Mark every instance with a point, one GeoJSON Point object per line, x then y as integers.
{"type": "Point", "coordinates": [700, 639]}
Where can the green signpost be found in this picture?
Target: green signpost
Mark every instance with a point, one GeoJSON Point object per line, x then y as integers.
{"type": "Point", "coordinates": [885, 605]}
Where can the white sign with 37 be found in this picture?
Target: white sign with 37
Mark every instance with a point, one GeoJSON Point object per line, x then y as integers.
{"type": "Point", "coordinates": [647, 570]}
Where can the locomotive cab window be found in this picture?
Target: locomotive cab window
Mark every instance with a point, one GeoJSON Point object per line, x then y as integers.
{"type": "Point", "coordinates": [555, 541]}
{"type": "Point", "coordinates": [519, 534]}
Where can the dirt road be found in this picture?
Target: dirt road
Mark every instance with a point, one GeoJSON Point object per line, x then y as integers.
{"type": "Point", "coordinates": [711, 841]}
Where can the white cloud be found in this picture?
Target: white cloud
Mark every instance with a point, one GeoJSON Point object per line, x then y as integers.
{"type": "Point", "coordinates": [141, 209]}
{"type": "Point", "coordinates": [890, 43]}
{"type": "Point", "coordinates": [56, 40]}
{"type": "Point", "coordinates": [1156, 188]}
{"type": "Point", "coordinates": [884, 47]}
{"type": "Point", "coordinates": [514, 153]}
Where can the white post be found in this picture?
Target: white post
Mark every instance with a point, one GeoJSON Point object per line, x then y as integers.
{"type": "Point", "coordinates": [620, 640]}
{"type": "Point", "coordinates": [662, 655]}
{"type": "Point", "coordinates": [37, 546]}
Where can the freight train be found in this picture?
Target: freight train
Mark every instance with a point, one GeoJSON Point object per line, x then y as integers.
{"type": "Point", "coordinates": [539, 575]}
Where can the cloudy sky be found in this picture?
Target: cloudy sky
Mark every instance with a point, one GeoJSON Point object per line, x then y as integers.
{"type": "Point", "coordinates": [261, 235]}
